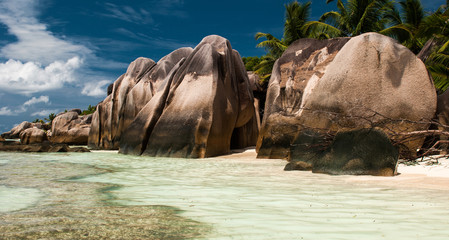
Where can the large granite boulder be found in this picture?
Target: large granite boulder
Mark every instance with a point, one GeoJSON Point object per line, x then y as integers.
{"type": "Point", "coordinates": [33, 135]}
{"type": "Point", "coordinates": [203, 103]}
{"type": "Point", "coordinates": [71, 128]}
{"type": "Point", "coordinates": [305, 60]}
{"type": "Point", "coordinates": [105, 132]}
{"type": "Point", "coordinates": [149, 85]}
{"type": "Point", "coordinates": [14, 133]}
{"type": "Point", "coordinates": [372, 82]}
{"type": "Point", "coordinates": [357, 152]}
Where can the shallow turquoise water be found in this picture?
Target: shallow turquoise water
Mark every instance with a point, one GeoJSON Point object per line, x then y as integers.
{"type": "Point", "coordinates": [14, 198]}
{"type": "Point", "coordinates": [256, 199]}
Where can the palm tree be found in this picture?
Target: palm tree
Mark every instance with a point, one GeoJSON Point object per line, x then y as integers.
{"type": "Point", "coordinates": [274, 48]}
{"type": "Point", "coordinates": [437, 26]}
{"type": "Point", "coordinates": [353, 18]}
{"type": "Point", "coordinates": [296, 17]}
{"type": "Point", "coordinates": [406, 26]}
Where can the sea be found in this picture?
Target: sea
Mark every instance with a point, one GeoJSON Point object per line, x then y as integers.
{"type": "Point", "coordinates": [107, 195]}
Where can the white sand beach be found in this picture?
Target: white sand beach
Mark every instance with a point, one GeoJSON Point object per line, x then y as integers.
{"type": "Point", "coordinates": [430, 173]}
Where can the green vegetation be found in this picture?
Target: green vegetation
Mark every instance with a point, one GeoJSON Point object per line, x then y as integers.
{"type": "Point", "coordinates": [437, 25]}
{"type": "Point", "coordinates": [91, 109]}
{"type": "Point", "coordinates": [48, 120]}
{"type": "Point", "coordinates": [296, 19]}
{"type": "Point", "coordinates": [37, 120]}
{"type": "Point", "coordinates": [353, 18]}
{"type": "Point", "coordinates": [404, 20]}
{"type": "Point", "coordinates": [251, 62]}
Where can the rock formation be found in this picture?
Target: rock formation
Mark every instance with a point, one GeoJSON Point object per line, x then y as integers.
{"type": "Point", "coordinates": [105, 132]}
{"type": "Point", "coordinates": [71, 128]}
{"type": "Point", "coordinates": [39, 147]}
{"type": "Point", "coordinates": [193, 103]}
{"type": "Point", "coordinates": [14, 133]}
{"type": "Point", "coordinates": [305, 60]}
{"type": "Point", "coordinates": [254, 81]}
{"type": "Point", "coordinates": [356, 152]}
{"type": "Point", "coordinates": [33, 135]}
{"type": "Point", "coordinates": [443, 109]}
{"type": "Point", "coordinates": [150, 84]}
{"type": "Point", "coordinates": [371, 82]}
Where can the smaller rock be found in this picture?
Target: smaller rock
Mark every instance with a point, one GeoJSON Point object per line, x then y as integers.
{"type": "Point", "coordinates": [66, 148]}
{"type": "Point", "coordinates": [15, 131]}
{"type": "Point", "coordinates": [254, 81]}
{"type": "Point", "coordinates": [12, 146]}
{"type": "Point", "coordinates": [298, 166]}
{"type": "Point", "coordinates": [71, 128]}
{"type": "Point", "coordinates": [33, 135]}
{"type": "Point", "coordinates": [357, 152]}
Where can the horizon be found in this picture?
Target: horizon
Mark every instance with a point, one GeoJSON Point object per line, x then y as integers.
{"type": "Point", "coordinates": [58, 55]}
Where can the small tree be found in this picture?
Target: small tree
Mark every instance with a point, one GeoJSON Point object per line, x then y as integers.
{"type": "Point", "coordinates": [90, 109]}
{"type": "Point", "coordinates": [37, 120]}
{"type": "Point", "coordinates": [50, 118]}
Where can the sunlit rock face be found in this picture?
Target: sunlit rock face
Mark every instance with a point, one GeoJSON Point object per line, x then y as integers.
{"type": "Point", "coordinates": [14, 133]}
{"type": "Point", "coordinates": [373, 82]}
{"type": "Point", "coordinates": [370, 82]}
{"type": "Point", "coordinates": [304, 61]}
{"type": "Point", "coordinates": [192, 103]}
{"type": "Point", "coordinates": [105, 131]}
{"type": "Point", "coordinates": [71, 128]}
{"type": "Point", "coordinates": [149, 85]}
{"type": "Point", "coordinates": [32, 135]}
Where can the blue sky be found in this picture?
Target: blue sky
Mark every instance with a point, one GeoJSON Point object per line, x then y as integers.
{"type": "Point", "coordinates": [59, 54]}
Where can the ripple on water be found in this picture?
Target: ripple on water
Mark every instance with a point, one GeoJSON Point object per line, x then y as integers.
{"type": "Point", "coordinates": [13, 198]}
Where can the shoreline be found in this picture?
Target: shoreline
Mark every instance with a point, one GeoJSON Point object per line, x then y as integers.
{"type": "Point", "coordinates": [419, 176]}
{"type": "Point", "coordinates": [431, 173]}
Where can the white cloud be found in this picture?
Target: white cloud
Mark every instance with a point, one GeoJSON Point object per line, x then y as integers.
{"type": "Point", "coordinates": [5, 111]}
{"type": "Point", "coordinates": [38, 60]}
{"type": "Point", "coordinates": [157, 42]}
{"type": "Point", "coordinates": [31, 77]}
{"type": "Point", "coordinates": [34, 100]}
{"type": "Point", "coordinates": [95, 89]}
{"type": "Point", "coordinates": [128, 14]}
{"type": "Point", "coordinates": [34, 42]}
{"type": "Point", "coordinates": [45, 113]}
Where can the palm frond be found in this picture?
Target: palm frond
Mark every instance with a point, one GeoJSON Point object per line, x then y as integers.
{"type": "Point", "coordinates": [332, 18]}
{"type": "Point", "coordinates": [316, 28]}
{"type": "Point", "coordinates": [399, 32]}
{"type": "Point", "coordinates": [444, 47]}
{"type": "Point", "coordinates": [413, 12]}
{"type": "Point", "coordinates": [393, 16]}
{"type": "Point", "coordinates": [296, 15]}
